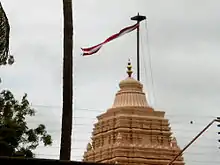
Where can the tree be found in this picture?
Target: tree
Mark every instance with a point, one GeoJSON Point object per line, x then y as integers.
{"type": "Point", "coordinates": [16, 139]}
{"type": "Point", "coordinates": [5, 58]}
{"type": "Point", "coordinates": [66, 130]}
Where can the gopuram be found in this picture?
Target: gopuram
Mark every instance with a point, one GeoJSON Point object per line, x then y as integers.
{"type": "Point", "coordinates": [131, 132]}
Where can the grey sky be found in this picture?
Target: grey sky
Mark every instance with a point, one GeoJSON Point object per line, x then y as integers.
{"type": "Point", "coordinates": [184, 43]}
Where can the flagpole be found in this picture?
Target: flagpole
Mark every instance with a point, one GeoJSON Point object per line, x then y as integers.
{"type": "Point", "coordinates": [138, 18]}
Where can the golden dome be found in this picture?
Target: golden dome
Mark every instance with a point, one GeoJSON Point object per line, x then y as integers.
{"type": "Point", "coordinates": [131, 92]}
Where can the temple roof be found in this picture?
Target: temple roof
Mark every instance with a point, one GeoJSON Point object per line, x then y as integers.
{"type": "Point", "coordinates": [131, 92]}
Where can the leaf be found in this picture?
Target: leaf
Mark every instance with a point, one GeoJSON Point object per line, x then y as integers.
{"type": "Point", "coordinates": [40, 130]}
{"type": "Point", "coordinates": [47, 140]}
{"type": "Point", "coordinates": [32, 137]}
{"type": "Point", "coordinates": [29, 154]}
{"type": "Point", "coordinates": [33, 146]}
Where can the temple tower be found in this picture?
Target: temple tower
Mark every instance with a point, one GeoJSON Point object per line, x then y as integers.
{"type": "Point", "coordinates": [131, 132]}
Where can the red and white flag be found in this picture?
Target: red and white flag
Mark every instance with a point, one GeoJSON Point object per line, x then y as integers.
{"type": "Point", "coordinates": [94, 49]}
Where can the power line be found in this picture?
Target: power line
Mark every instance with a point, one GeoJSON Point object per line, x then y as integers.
{"type": "Point", "coordinates": [186, 160]}
{"type": "Point", "coordinates": [172, 122]}
{"type": "Point", "coordinates": [184, 116]}
{"type": "Point", "coordinates": [84, 148]}
{"type": "Point", "coordinates": [104, 110]}
{"type": "Point", "coordinates": [98, 110]}
{"type": "Point", "coordinates": [81, 148]}
{"type": "Point", "coordinates": [46, 106]}
{"type": "Point", "coordinates": [194, 154]}
{"type": "Point", "coordinates": [207, 139]}
{"type": "Point", "coordinates": [90, 125]}
{"type": "Point", "coordinates": [186, 156]}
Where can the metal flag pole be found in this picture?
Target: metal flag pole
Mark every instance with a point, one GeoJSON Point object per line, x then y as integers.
{"type": "Point", "coordinates": [138, 18]}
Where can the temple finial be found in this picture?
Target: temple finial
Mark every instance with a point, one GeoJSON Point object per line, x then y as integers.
{"type": "Point", "coordinates": [129, 68]}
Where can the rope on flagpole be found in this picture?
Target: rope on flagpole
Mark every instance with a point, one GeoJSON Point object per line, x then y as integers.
{"type": "Point", "coordinates": [144, 63]}
{"type": "Point", "coordinates": [151, 99]}
{"type": "Point", "coordinates": [150, 64]}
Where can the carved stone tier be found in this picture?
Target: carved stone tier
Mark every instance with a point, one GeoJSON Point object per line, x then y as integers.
{"type": "Point", "coordinates": [131, 135]}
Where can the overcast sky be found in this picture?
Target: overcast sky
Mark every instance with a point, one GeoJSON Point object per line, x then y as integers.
{"type": "Point", "coordinates": [183, 43]}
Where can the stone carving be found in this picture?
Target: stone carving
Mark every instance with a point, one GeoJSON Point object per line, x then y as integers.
{"type": "Point", "coordinates": [174, 143]}
{"type": "Point", "coordinates": [89, 147]}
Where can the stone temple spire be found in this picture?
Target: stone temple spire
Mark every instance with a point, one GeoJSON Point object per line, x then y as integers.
{"type": "Point", "coordinates": [131, 92]}
{"type": "Point", "coordinates": [131, 132]}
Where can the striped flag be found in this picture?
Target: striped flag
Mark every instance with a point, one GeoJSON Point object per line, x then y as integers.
{"type": "Point", "coordinates": [96, 48]}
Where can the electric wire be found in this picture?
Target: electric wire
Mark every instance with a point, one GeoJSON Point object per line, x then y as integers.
{"type": "Point", "coordinates": [179, 115]}
{"type": "Point", "coordinates": [187, 160]}
{"type": "Point", "coordinates": [82, 125]}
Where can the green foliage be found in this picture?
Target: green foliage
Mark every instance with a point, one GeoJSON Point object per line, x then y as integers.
{"type": "Point", "coordinates": [16, 139]}
{"type": "Point", "coordinates": [5, 58]}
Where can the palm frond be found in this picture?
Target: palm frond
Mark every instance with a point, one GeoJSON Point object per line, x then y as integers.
{"type": "Point", "coordinates": [4, 37]}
